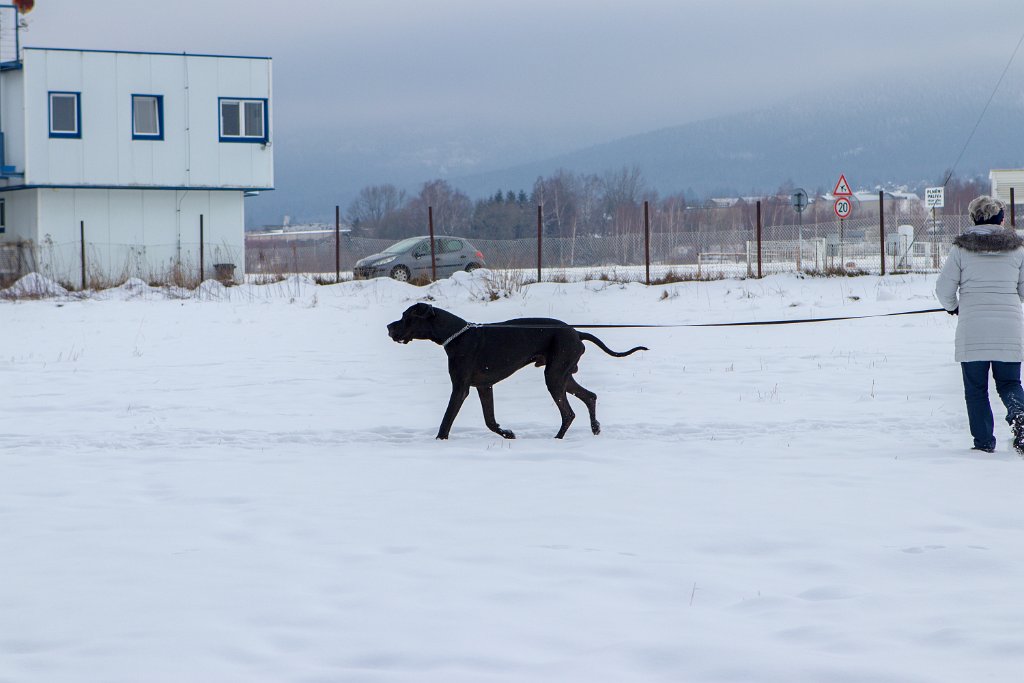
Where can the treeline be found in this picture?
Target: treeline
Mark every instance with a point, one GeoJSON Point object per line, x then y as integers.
{"type": "Point", "coordinates": [576, 204]}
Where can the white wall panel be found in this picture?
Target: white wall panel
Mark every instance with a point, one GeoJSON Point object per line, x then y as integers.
{"type": "Point", "coordinates": [12, 102]}
{"type": "Point", "coordinates": [22, 216]}
{"type": "Point", "coordinates": [190, 155]}
{"type": "Point", "coordinates": [137, 233]}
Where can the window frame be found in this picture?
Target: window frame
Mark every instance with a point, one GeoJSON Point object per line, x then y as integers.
{"type": "Point", "coordinates": [242, 137]}
{"type": "Point", "coordinates": [77, 133]}
{"type": "Point", "coordinates": [159, 135]}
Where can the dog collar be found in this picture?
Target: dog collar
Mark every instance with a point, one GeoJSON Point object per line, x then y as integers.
{"type": "Point", "coordinates": [449, 339]}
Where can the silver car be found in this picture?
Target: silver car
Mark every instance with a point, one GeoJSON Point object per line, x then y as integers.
{"type": "Point", "coordinates": [410, 259]}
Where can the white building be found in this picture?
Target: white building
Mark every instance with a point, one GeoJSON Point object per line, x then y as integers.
{"type": "Point", "coordinates": [138, 148]}
{"type": "Point", "coordinates": [1004, 179]}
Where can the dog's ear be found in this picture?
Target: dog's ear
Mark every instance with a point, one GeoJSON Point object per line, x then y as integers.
{"type": "Point", "coordinates": [422, 310]}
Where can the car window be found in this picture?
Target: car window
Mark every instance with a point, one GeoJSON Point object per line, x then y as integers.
{"type": "Point", "coordinates": [451, 246]}
{"type": "Point", "coordinates": [403, 246]}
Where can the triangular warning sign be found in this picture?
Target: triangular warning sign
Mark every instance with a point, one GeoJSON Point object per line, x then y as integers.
{"type": "Point", "coordinates": [842, 188]}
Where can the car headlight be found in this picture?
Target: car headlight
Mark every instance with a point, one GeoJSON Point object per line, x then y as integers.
{"type": "Point", "coordinates": [384, 261]}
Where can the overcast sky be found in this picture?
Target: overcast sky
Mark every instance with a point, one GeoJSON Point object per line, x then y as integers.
{"type": "Point", "coordinates": [579, 68]}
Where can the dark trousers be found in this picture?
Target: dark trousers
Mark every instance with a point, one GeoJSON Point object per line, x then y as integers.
{"type": "Point", "coordinates": [979, 412]}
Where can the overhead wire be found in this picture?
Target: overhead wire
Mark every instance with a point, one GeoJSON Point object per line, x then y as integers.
{"type": "Point", "coordinates": [984, 110]}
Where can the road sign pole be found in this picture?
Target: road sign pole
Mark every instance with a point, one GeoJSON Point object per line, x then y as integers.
{"type": "Point", "coordinates": [799, 203]}
{"type": "Point", "coordinates": [881, 231]}
{"type": "Point", "coordinates": [842, 246]}
{"type": "Point", "coordinates": [799, 241]}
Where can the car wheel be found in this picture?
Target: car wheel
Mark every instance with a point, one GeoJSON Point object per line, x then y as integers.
{"type": "Point", "coordinates": [401, 273]}
{"type": "Point", "coordinates": [471, 267]}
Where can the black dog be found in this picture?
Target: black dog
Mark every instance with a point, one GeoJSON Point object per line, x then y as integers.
{"type": "Point", "coordinates": [482, 355]}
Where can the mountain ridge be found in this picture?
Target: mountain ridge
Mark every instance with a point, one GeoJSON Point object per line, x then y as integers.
{"type": "Point", "coordinates": [898, 135]}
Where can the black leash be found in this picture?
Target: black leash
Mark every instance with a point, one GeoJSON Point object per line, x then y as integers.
{"type": "Point", "coordinates": [798, 321]}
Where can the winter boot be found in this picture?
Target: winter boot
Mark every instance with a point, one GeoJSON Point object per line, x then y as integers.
{"type": "Point", "coordinates": [1018, 433]}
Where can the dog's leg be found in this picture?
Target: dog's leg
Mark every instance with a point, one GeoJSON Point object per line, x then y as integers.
{"type": "Point", "coordinates": [555, 379]}
{"type": "Point", "coordinates": [487, 403]}
{"type": "Point", "coordinates": [460, 391]}
{"type": "Point", "coordinates": [589, 398]}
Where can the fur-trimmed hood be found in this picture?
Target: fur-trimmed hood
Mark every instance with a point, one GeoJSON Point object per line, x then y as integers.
{"type": "Point", "coordinates": [1001, 240]}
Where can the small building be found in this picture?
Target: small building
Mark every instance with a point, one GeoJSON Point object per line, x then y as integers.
{"type": "Point", "coordinates": [135, 151]}
{"type": "Point", "coordinates": [1004, 179]}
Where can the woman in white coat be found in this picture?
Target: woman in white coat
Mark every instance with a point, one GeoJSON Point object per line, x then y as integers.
{"type": "Point", "coordinates": [982, 281]}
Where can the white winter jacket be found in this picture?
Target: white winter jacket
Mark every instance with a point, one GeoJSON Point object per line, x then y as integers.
{"type": "Point", "coordinates": [984, 277]}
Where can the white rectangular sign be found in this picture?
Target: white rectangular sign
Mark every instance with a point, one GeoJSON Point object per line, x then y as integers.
{"type": "Point", "coordinates": [934, 197]}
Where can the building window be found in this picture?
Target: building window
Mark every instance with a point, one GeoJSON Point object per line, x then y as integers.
{"type": "Point", "coordinates": [243, 120]}
{"type": "Point", "coordinates": [147, 117]}
{"type": "Point", "coordinates": [65, 115]}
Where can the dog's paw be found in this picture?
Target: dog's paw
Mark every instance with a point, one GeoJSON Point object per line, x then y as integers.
{"type": "Point", "coordinates": [507, 434]}
{"type": "Point", "coordinates": [595, 427]}
{"type": "Point", "coordinates": [441, 437]}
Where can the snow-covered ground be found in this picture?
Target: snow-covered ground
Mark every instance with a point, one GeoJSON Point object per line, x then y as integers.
{"type": "Point", "coordinates": [243, 485]}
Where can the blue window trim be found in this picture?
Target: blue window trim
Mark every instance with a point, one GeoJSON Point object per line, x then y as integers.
{"type": "Point", "coordinates": [78, 114]}
{"type": "Point", "coordinates": [263, 139]}
{"type": "Point", "coordinates": [159, 118]}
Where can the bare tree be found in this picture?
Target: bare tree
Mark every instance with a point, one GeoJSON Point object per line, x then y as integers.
{"type": "Point", "coordinates": [557, 195]}
{"type": "Point", "coordinates": [453, 210]}
{"type": "Point", "coordinates": [374, 207]}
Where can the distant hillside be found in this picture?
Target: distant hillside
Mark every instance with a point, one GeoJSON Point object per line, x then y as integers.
{"type": "Point", "coordinates": [902, 137]}
{"type": "Point", "coordinates": [896, 134]}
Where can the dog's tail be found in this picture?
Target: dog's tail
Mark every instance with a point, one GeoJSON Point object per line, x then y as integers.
{"type": "Point", "coordinates": [586, 336]}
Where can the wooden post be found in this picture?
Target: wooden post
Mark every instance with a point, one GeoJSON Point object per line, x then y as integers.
{"type": "Point", "coordinates": [337, 244]}
{"type": "Point", "coordinates": [82, 228]}
{"type": "Point", "coordinates": [1013, 209]}
{"type": "Point", "coordinates": [540, 239]}
{"type": "Point", "coordinates": [647, 241]}
{"type": "Point", "coordinates": [433, 253]}
{"type": "Point", "coordinates": [881, 229]}
{"type": "Point", "coordinates": [759, 273]}
{"type": "Point", "coordinates": [202, 253]}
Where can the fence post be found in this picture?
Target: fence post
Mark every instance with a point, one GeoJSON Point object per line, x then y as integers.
{"type": "Point", "coordinates": [433, 254]}
{"type": "Point", "coordinates": [647, 241]}
{"type": "Point", "coordinates": [759, 274]}
{"type": "Point", "coordinates": [337, 244]}
{"type": "Point", "coordinates": [202, 252]}
{"type": "Point", "coordinates": [82, 229]}
{"type": "Point", "coordinates": [881, 229]}
{"type": "Point", "coordinates": [1013, 209]}
{"type": "Point", "coordinates": [540, 236]}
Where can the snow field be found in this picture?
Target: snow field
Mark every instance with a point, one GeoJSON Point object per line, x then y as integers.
{"type": "Point", "coordinates": [243, 485]}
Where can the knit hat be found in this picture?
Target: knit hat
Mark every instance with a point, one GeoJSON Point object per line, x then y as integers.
{"type": "Point", "coordinates": [985, 210]}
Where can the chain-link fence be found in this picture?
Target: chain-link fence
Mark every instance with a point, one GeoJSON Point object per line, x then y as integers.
{"type": "Point", "coordinates": [851, 245]}
{"type": "Point", "coordinates": [102, 264]}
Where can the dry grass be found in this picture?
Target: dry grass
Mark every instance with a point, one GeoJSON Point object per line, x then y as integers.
{"type": "Point", "coordinates": [671, 277]}
{"type": "Point", "coordinates": [835, 271]}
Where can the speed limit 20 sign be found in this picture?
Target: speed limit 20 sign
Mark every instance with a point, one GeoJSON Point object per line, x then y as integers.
{"type": "Point", "coordinates": [843, 207]}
